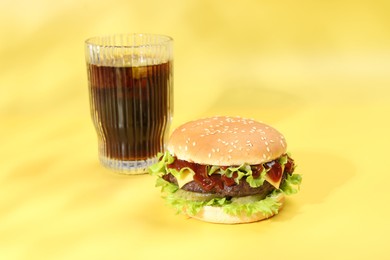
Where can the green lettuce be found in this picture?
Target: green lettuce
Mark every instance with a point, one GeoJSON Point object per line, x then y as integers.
{"type": "Point", "coordinates": [240, 171]}
{"type": "Point", "coordinates": [184, 201]}
{"type": "Point", "coordinates": [250, 205]}
{"type": "Point", "coordinates": [160, 167]}
{"type": "Point", "coordinates": [291, 184]}
{"type": "Point", "coordinates": [283, 160]}
{"type": "Point", "coordinates": [166, 186]}
{"type": "Point", "coordinates": [256, 182]}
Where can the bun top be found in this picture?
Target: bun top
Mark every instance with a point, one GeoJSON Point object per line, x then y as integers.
{"type": "Point", "coordinates": [226, 141]}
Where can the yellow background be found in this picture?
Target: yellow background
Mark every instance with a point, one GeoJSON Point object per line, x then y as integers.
{"type": "Point", "coordinates": [319, 71]}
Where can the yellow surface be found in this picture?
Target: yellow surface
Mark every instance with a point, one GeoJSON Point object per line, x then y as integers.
{"type": "Point", "coordinates": [319, 71]}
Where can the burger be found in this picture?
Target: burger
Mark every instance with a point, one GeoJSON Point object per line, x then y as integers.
{"type": "Point", "coordinates": [226, 170]}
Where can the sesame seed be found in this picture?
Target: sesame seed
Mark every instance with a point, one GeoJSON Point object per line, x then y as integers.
{"type": "Point", "coordinates": [193, 143]}
{"type": "Point", "coordinates": [209, 155]}
{"type": "Point", "coordinates": [268, 149]}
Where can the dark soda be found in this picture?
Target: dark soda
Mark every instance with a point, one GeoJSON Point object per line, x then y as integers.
{"type": "Point", "coordinates": [131, 109]}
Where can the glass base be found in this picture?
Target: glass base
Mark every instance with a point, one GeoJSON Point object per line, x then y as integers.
{"type": "Point", "coordinates": [127, 167]}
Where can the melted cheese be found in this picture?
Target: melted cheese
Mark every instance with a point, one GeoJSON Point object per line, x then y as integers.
{"type": "Point", "coordinates": [185, 178]}
{"type": "Point", "coordinates": [276, 184]}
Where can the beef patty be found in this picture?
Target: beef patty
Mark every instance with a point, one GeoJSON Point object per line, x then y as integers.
{"type": "Point", "coordinates": [238, 190]}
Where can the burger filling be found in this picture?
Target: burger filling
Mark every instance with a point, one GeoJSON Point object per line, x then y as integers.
{"type": "Point", "coordinates": [220, 184]}
{"type": "Point", "coordinates": [239, 189]}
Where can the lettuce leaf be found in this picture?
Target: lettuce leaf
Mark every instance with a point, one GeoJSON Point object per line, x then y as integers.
{"type": "Point", "coordinates": [166, 186]}
{"type": "Point", "coordinates": [252, 205]}
{"type": "Point", "coordinates": [291, 184]}
{"type": "Point", "coordinates": [283, 160]}
{"type": "Point", "coordinates": [257, 182]}
{"type": "Point", "coordinates": [213, 169]}
{"type": "Point", "coordinates": [184, 201]}
{"type": "Point", "coordinates": [160, 167]}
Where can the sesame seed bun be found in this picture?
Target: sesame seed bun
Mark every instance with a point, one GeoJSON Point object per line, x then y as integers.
{"type": "Point", "coordinates": [225, 141]}
{"type": "Point", "coordinates": [217, 215]}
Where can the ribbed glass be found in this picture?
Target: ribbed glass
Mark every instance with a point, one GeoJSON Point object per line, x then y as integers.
{"type": "Point", "coordinates": [131, 98]}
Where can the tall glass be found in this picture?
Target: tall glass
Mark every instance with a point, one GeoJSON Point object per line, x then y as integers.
{"type": "Point", "coordinates": [130, 80]}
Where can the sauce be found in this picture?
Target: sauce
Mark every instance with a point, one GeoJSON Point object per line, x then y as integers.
{"type": "Point", "coordinates": [289, 166]}
{"type": "Point", "coordinates": [208, 182]}
{"type": "Point", "coordinates": [275, 171]}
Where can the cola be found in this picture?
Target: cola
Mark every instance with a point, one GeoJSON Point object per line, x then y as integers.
{"type": "Point", "coordinates": [131, 108]}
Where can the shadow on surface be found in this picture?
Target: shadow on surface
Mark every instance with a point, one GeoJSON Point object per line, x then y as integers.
{"type": "Point", "coordinates": [322, 174]}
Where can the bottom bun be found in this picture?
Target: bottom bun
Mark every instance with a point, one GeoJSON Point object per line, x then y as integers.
{"type": "Point", "coordinates": [217, 215]}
